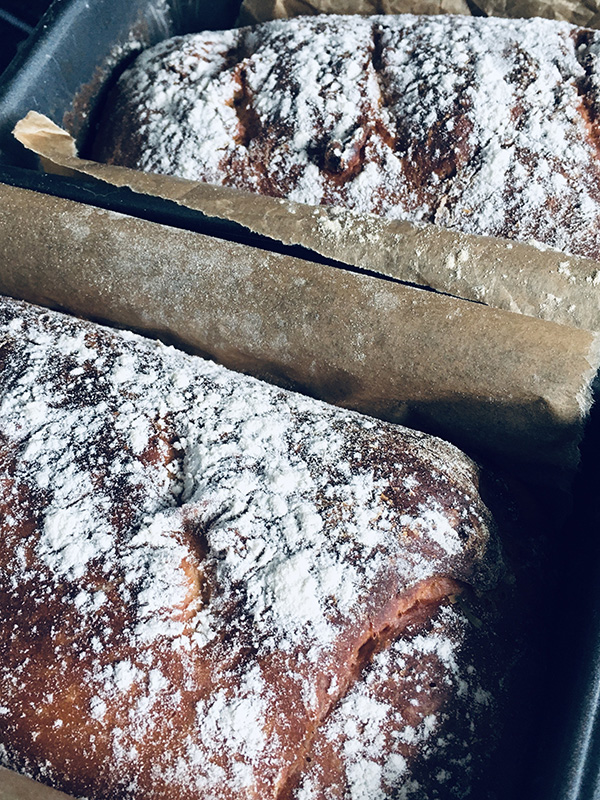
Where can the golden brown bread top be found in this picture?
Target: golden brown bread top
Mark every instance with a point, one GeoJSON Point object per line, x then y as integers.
{"type": "Point", "coordinates": [197, 567]}
{"type": "Point", "coordinates": [484, 125]}
{"type": "Point", "coordinates": [395, 733]}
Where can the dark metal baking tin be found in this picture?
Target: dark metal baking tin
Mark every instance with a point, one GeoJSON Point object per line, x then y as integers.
{"type": "Point", "coordinates": [63, 71]}
{"type": "Point", "coordinates": [76, 49]}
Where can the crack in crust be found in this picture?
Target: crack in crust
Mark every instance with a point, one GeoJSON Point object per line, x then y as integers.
{"type": "Point", "coordinates": [414, 609]}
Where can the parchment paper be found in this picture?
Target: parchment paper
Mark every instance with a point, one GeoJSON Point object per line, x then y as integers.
{"type": "Point", "coordinates": [489, 380]}
{"type": "Point", "coordinates": [16, 787]}
{"type": "Point", "coordinates": [584, 12]}
{"type": "Point", "coordinates": [517, 277]}
{"type": "Point", "coordinates": [262, 10]}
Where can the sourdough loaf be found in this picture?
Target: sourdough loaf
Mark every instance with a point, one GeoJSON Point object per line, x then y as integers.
{"type": "Point", "coordinates": [213, 588]}
{"type": "Point", "coordinates": [483, 125]}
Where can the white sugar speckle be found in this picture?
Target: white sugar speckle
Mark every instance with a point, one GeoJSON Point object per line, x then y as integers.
{"type": "Point", "coordinates": [476, 124]}
{"type": "Point", "coordinates": [214, 564]}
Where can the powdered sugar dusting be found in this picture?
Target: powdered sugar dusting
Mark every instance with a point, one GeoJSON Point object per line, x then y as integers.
{"type": "Point", "coordinates": [203, 556]}
{"type": "Point", "coordinates": [367, 744]}
{"type": "Point", "coordinates": [484, 125]}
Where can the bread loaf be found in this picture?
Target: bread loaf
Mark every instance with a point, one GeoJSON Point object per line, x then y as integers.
{"type": "Point", "coordinates": [213, 588]}
{"type": "Point", "coordinates": [487, 126]}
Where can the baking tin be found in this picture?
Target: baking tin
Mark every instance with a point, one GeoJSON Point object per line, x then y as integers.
{"type": "Point", "coordinates": [17, 23]}
{"type": "Point", "coordinates": [13, 31]}
{"type": "Point", "coordinates": [566, 764]}
{"type": "Point", "coordinates": [63, 71]}
{"type": "Point", "coordinates": [77, 49]}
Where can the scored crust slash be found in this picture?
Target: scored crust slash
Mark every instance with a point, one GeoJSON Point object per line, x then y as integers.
{"type": "Point", "coordinates": [485, 126]}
